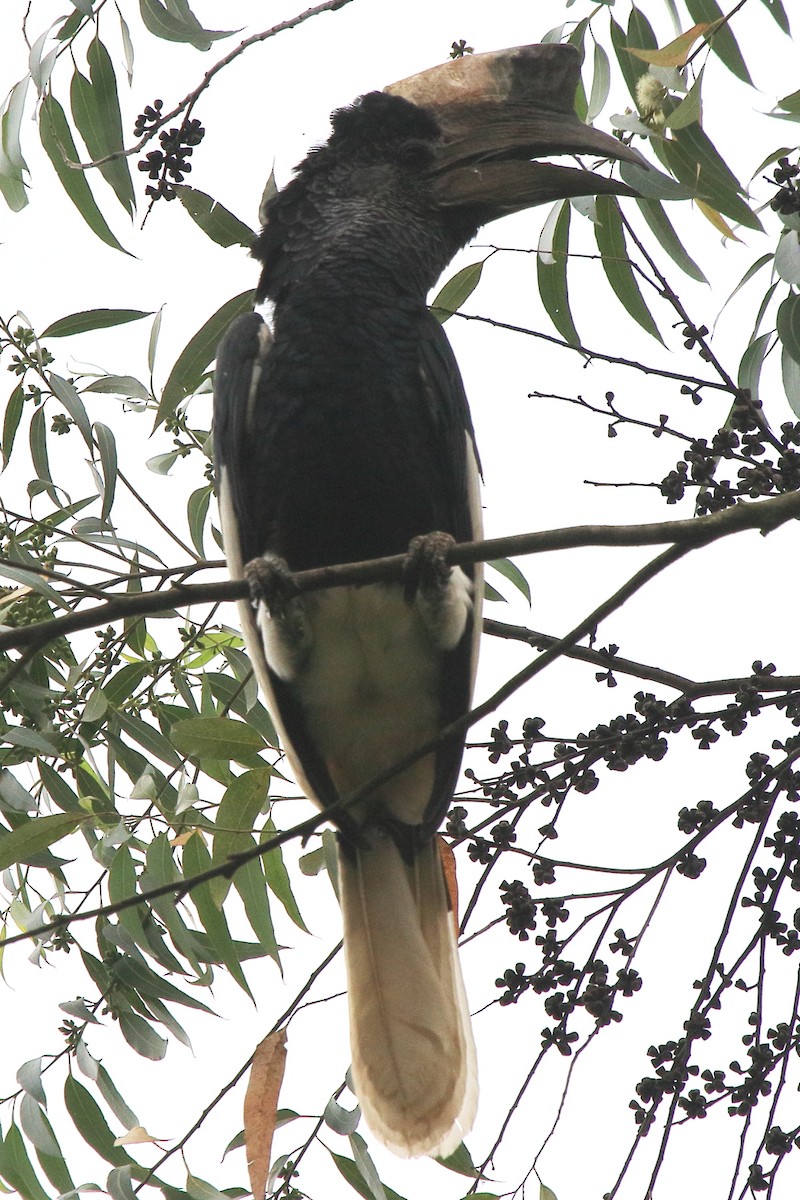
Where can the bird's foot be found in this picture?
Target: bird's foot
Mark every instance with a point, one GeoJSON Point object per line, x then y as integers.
{"type": "Point", "coordinates": [426, 568]}
{"type": "Point", "coordinates": [286, 631]}
{"type": "Point", "coordinates": [271, 583]}
{"type": "Point", "coordinates": [441, 594]}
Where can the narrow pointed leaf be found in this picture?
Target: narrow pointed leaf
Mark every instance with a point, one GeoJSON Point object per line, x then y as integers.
{"type": "Point", "coordinates": [751, 364]}
{"type": "Point", "coordinates": [187, 373]}
{"type": "Point", "coordinates": [34, 836]}
{"type": "Point", "coordinates": [611, 243]}
{"type": "Point", "coordinates": [88, 1119]}
{"type": "Point", "coordinates": [141, 1037]}
{"type": "Point", "coordinates": [16, 1168]}
{"type": "Point", "coordinates": [196, 859]}
{"type": "Point", "coordinates": [165, 23]}
{"type": "Point", "coordinates": [11, 419]}
{"type": "Point", "coordinates": [237, 813]}
{"type": "Point", "coordinates": [214, 219]}
{"type": "Point", "coordinates": [661, 227]}
{"type": "Point", "coordinates": [104, 84]}
{"type": "Point", "coordinates": [216, 737]}
{"type": "Point", "coordinates": [601, 83]}
{"type": "Point", "coordinates": [552, 279]}
{"type": "Point", "coordinates": [60, 147]}
{"type": "Point", "coordinates": [251, 886]}
{"type": "Point", "coordinates": [789, 325]}
{"type": "Point", "coordinates": [94, 318]}
{"type": "Point", "coordinates": [791, 380]}
{"type": "Point", "coordinates": [456, 292]}
{"type": "Point", "coordinates": [107, 447]}
{"type": "Point", "coordinates": [693, 160]}
{"type": "Point", "coordinates": [511, 572]}
{"type": "Point", "coordinates": [278, 877]}
{"type": "Point", "coordinates": [70, 398]}
{"type": "Point", "coordinates": [722, 41]}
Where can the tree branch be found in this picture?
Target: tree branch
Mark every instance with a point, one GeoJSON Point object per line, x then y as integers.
{"type": "Point", "coordinates": [764, 515]}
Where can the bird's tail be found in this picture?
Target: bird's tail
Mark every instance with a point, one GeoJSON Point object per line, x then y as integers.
{"type": "Point", "coordinates": [413, 1055]}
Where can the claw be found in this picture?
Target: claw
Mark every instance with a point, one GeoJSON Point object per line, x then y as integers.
{"type": "Point", "coordinates": [426, 568]}
{"type": "Point", "coordinates": [271, 583]}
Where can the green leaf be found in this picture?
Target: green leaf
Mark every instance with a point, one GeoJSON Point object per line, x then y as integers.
{"type": "Point", "coordinates": [779, 13]}
{"type": "Point", "coordinates": [722, 41]}
{"type": "Point", "coordinates": [93, 318]}
{"type": "Point", "coordinates": [196, 512]}
{"type": "Point", "coordinates": [107, 447]}
{"type": "Point", "coordinates": [120, 385]}
{"type": "Point", "coordinates": [196, 860]}
{"type": "Point", "coordinates": [54, 1165]}
{"type": "Point", "coordinates": [214, 219]}
{"type": "Point", "coordinates": [611, 243]}
{"type": "Point", "coordinates": [107, 1088]}
{"type": "Point", "coordinates": [692, 158]}
{"type": "Point", "coordinates": [237, 813]}
{"type": "Point", "coordinates": [118, 1184]}
{"type": "Point", "coordinates": [639, 34]}
{"type": "Point", "coordinates": [16, 1169]}
{"type": "Point", "coordinates": [216, 737]}
{"type": "Point", "coordinates": [661, 227]}
{"type": "Point", "coordinates": [70, 398]}
{"type": "Point", "coordinates": [37, 437]}
{"type": "Point", "coordinates": [278, 877]}
{"type": "Point", "coordinates": [137, 975]}
{"type": "Point", "coordinates": [104, 86]}
{"type": "Point", "coordinates": [456, 291]}
{"type": "Point", "coordinates": [251, 885]}
{"type": "Point", "coordinates": [461, 1162]}
{"type": "Point", "coordinates": [789, 325]}
{"type": "Point", "coordinates": [58, 789]}
{"type": "Point", "coordinates": [36, 1128]}
{"type": "Point", "coordinates": [341, 1120]}
{"type": "Point", "coordinates": [95, 121]}
{"type": "Point", "coordinates": [790, 369]}
{"type": "Point", "coordinates": [11, 419]}
{"type": "Point", "coordinates": [366, 1166]}
{"type": "Point", "coordinates": [187, 373]}
{"type": "Point", "coordinates": [653, 184]}
{"type": "Point", "coordinates": [546, 1193]}
{"type": "Point", "coordinates": [60, 148]}
{"type": "Point", "coordinates": [348, 1169]}
{"type": "Point", "coordinates": [552, 276]}
{"type": "Point", "coordinates": [91, 1124]}
{"type": "Point", "coordinates": [149, 737]}
{"type": "Point", "coordinates": [601, 83]}
{"type": "Point", "coordinates": [511, 572]}
{"type": "Point", "coordinates": [180, 26]}
{"type": "Point", "coordinates": [141, 1036]}
{"type": "Point", "coordinates": [29, 1078]}
{"type": "Point", "coordinates": [690, 108]}
{"type": "Point", "coordinates": [35, 835]}
{"type": "Point", "coordinates": [751, 364]}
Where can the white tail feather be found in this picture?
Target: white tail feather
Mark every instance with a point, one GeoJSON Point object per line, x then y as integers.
{"type": "Point", "coordinates": [411, 1041]}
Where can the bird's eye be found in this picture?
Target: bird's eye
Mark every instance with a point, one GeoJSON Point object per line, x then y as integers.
{"type": "Point", "coordinates": [414, 154]}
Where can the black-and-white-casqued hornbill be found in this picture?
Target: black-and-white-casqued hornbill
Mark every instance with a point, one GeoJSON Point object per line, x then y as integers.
{"type": "Point", "coordinates": [344, 434]}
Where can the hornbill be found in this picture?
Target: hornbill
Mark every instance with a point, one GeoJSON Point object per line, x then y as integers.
{"type": "Point", "coordinates": [344, 434]}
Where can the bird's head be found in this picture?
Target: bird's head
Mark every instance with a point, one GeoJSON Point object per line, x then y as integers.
{"type": "Point", "coordinates": [410, 174]}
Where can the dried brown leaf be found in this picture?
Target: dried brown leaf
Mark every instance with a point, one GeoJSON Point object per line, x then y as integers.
{"type": "Point", "coordinates": [261, 1107]}
{"type": "Point", "coordinates": [448, 861]}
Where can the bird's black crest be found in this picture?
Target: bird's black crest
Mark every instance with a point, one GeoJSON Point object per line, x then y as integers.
{"type": "Point", "coordinates": [378, 118]}
{"type": "Point", "coordinates": [374, 124]}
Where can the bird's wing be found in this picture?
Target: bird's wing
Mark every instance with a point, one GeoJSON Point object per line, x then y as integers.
{"type": "Point", "coordinates": [241, 356]}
